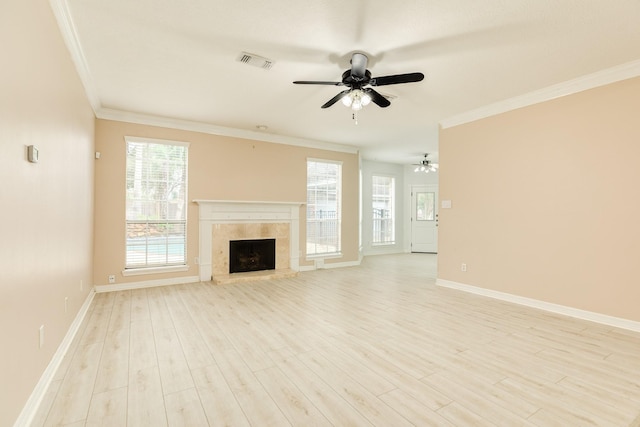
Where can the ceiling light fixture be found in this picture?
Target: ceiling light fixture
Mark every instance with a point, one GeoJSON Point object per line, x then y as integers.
{"type": "Point", "coordinates": [356, 99]}
{"type": "Point", "coordinates": [426, 166]}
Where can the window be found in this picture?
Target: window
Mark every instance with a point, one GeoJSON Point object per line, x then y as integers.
{"type": "Point", "coordinates": [156, 207]}
{"type": "Point", "coordinates": [324, 182]}
{"type": "Point", "coordinates": [425, 206]}
{"type": "Point", "coordinates": [383, 203]}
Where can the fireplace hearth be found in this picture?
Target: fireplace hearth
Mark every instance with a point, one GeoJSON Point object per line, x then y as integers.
{"type": "Point", "coordinates": [252, 255]}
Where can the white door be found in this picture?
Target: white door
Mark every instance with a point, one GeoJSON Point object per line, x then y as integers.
{"type": "Point", "coordinates": [424, 218]}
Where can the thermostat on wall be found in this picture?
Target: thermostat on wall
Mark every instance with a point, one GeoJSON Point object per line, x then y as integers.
{"type": "Point", "coordinates": [32, 153]}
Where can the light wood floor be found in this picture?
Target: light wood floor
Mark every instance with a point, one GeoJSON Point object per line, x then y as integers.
{"type": "Point", "coordinates": [378, 345]}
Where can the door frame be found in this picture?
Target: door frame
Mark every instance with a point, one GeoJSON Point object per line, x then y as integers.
{"type": "Point", "coordinates": [412, 189]}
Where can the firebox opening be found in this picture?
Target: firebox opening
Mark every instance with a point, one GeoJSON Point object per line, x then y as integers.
{"type": "Point", "coordinates": [252, 255]}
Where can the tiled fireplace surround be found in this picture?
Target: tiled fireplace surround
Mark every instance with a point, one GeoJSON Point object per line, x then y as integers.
{"type": "Point", "coordinates": [225, 220]}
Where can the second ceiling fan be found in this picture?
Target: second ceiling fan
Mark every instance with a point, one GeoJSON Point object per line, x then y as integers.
{"type": "Point", "coordinates": [358, 79]}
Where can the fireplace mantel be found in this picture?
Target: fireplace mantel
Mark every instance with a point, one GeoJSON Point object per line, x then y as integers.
{"type": "Point", "coordinates": [212, 212]}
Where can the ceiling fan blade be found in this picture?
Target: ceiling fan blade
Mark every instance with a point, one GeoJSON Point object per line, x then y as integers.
{"type": "Point", "coordinates": [396, 79]}
{"type": "Point", "coordinates": [335, 99]}
{"type": "Point", "coordinates": [376, 98]}
{"type": "Point", "coordinates": [359, 65]}
{"type": "Point", "coordinates": [311, 82]}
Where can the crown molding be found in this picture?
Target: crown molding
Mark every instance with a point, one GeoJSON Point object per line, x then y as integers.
{"type": "Point", "coordinates": [589, 81]}
{"type": "Point", "coordinates": [69, 33]}
{"type": "Point", "coordinates": [67, 28]}
{"type": "Point", "coordinates": [151, 120]}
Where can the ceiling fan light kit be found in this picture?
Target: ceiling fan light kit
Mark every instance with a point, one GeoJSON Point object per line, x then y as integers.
{"type": "Point", "coordinates": [426, 166]}
{"type": "Point", "coordinates": [358, 79]}
{"type": "Point", "coordinates": [356, 99]}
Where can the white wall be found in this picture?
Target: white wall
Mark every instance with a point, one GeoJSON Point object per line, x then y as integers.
{"type": "Point", "coordinates": [46, 208]}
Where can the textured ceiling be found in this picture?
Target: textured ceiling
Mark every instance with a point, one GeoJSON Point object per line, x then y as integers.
{"type": "Point", "coordinates": [178, 60]}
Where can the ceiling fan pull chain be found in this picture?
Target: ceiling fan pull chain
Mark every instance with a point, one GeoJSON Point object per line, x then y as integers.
{"type": "Point", "coordinates": [354, 116]}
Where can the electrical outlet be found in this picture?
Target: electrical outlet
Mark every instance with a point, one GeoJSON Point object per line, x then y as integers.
{"type": "Point", "coordinates": [41, 336]}
{"type": "Point", "coordinates": [463, 267]}
{"type": "Point", "coordinates": [66, 304]}
{"type": "Point", "coordinates": [112, 278]}
{"type": "Point", "coordinates": [197, 260]}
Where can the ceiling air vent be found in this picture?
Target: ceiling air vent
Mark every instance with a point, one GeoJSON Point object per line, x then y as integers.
{"type": "Point", "coordinates": [255, 60]}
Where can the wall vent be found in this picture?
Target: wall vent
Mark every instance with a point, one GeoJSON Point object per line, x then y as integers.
{"type": "Point", "coordinates": [255, 60]}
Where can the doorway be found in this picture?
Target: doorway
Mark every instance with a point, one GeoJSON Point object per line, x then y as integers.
{"type": "Point", "coordinates": [424, 218]}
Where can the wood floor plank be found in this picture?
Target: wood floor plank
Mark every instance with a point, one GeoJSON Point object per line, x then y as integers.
{"type": "Point", "coordinates": [184, 409]}
{"type": "Point", "coordinates": [74, 395]}
{"type": "Point", "coordinates": [139, 305]}
{"type": "Point", "coordinates": [295, 406]}
{"type": "Point", "coordinates": [113, 371]}
{"type": "Point", "coordinates": [121, 312]}
{"type": "Point", "coordinates": [414, 410]}
{"type": "Point", "coordinates": [218, 400]}
{"type": "Point", "coordinates": [333, 406]}
{"type": "Point", "coordinates": [108, 408]}
{"type": "Point", "coordinates": [254, 400]}
{"type": "Point", "coordinates": [158, 310]}
{"type": "Point", "coordinates": [97, 326]}
{"type": "Point", "coordinates": [366, 377]}
{"type": "Point", "coordinates": [145, 401]}
{"type": "Point", "coordinates": [478, 403]}
{"type": "Point", "coordinates": [553, 402]}
{"type": "Point", "coordinates": [174, 370]}
{"type": "Point", "coordinates": [376, 344]}
{"type": "Point", "coordinates": [458, 415]}
{"type": "Point", "coordinates": [142, 347]}
{"type": "Point", "coordinates": [375, 410]}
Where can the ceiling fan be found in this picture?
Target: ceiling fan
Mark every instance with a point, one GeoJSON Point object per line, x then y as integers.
{"type": "Point", "coordinates": [426, 166]}
{"type": "Point", "coordinates": [358, 79]}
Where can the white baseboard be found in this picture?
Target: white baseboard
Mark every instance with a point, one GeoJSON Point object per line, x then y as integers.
{"type": "Point", "coordinates": [146, 284]}
{"type": "Point", "coordinates": [341, 264]}
{"type": "Point", "coordinates": [542, 305]}
{"type": "Point", "coordinates": [383, 250]}
{"type": "Point", "coordinates": [320, 264]}
{"type": "Point", "coordinates": [33, 403]}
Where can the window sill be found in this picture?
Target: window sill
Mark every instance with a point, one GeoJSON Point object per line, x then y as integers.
{"type": "Point", "coordinates": [383, 244]}
{"type": "Point", "coordinates": [154, 270]}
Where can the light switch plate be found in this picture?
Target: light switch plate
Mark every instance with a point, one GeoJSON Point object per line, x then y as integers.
{"type": "Point", "coordinates": [32, 153]}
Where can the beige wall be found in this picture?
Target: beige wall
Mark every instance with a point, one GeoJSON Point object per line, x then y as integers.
{"type": "Point", "coordinates": [220, 168]}
{"type": "Point", "coordinates": [545, 201]}
{"type": "Point", "coordinates": [46, 209]}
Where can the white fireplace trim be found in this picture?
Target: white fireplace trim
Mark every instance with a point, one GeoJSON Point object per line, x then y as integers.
{"type": "Point", "coordinates": [212, 212]}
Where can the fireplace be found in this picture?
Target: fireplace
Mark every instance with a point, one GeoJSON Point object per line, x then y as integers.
{"type": "Point", "coordinates": [252, 255]}
{"type": "Point", "coordinates": [224, 220]}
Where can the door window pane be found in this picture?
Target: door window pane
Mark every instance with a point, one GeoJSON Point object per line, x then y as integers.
{"type": "Point", "coordinates": [425, 206]}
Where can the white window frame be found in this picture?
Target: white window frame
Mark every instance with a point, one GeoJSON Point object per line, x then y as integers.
{"type": "Point", "coordinates": [148, 267]}
{"type": "Point", "coordinates": [383, 221]}
{"type": "Point", "coordinates": [332, 246]}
